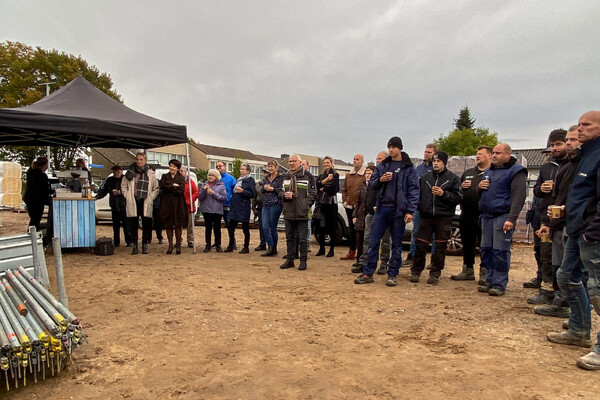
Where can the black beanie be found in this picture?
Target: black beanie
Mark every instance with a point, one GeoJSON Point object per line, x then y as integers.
{"type": "Point", "coordinates": [396, 142]}
{"type": "Point", "coordinates": [440, 155]}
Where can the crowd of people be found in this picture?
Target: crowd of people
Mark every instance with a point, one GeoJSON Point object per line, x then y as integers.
{"type": "Point", "coordinates": [379, 201]}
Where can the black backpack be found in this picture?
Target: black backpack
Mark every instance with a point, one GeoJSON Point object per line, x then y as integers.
{"type": "Point", "coordinates": [104, 247]}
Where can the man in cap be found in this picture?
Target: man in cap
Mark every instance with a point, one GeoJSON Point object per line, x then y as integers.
{"type": "Point", "coordinates": [439, 194]}
{"type": "Point", "coordinates": [395, 181]}
{"type": "Point", "coordinates": [116, 200]}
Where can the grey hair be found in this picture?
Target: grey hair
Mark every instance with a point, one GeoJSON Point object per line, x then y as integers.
{"type": "Point", "coordinates": [214, 172]}
{"type": "Point", "coordinates": [140, 153]}
{"type": "Point", "coordinates": [295, 155]}
{"type": "Point", "coordinates": [247, 166]}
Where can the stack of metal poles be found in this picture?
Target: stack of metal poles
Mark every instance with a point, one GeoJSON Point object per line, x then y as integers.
{"type": "Point", "coordinates": [37, 332]}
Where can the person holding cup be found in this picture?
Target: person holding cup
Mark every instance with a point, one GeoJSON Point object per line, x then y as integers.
{"type": "Point", "coordinates": [117, 202]}
{"type": "Point", "coordinates": [543, 191]}
{"type": "Point", "coordinates": [503, 191]}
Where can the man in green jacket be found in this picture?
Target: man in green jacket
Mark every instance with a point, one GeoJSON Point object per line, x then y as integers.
{"type": "Point", "coordinates": [298, 194]}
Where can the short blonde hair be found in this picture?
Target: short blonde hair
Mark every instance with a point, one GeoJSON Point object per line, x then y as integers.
{"type": "Point", "coordinates": [214, 173]}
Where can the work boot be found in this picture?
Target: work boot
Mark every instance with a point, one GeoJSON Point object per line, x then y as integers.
{"type": "Point", "coordinates": [482, 274]}
{"type": "Point", "coordinates": [552, 310]}
{"type": "Point", "coordinates": [321, 251]}
{"type": "Point", "coordinates": [287, 264]}
{"type": "Point", "coordinates": [466, 274]}
{"type": "Point", "coordinates": [496, 292]}
{"type": "Point", "coordinates": [302, 265]}
{"type": "Point", "coordinates": [350, 256]}
{"type": "Point", "coordinates": [261, 247]}
{"type": "Point", "coordinates": [206, 249]}
{"type": "Point", "coordinates": [433, 280]}
{"type": "Point", "coordinates": [591, 361]}
{"type": "Point", "coordinates": [363, 279]}
{"type": "Point", "coordinates": [543, 297]}
{"type": "Point", "coordinates": [391, 281]}
{"type": "Point", "coordinates": [382, 270]}
{"type": "Point", "coordinates": [409, 261]}
{"type": "Point", "coordinates": [229, 249]}
{"type": "Point", "coordinates": [144, 248]}
{"type": "Point", "coordinates": [245, 250]}
{"type": "Point", "coordinates": [134, 248]}
{"type": "Point", "coordinates": [569, 338]}
{"type": "Point", "coordinates": [357, 269]}
{"type": "Point", "coordinates": [330, 253]}
{"type": "Point", "coordinates": [219, 249]}
{"type": "Point", "coordinates": [483, 288]}
{"type": "Point", "coordinates": [414, 278]}
{"type": "Point", "coordinates": [534, 283]}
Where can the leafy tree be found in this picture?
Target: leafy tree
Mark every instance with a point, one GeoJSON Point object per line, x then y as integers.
{"type": "Point", "coordinates": [464, 121]}
{"type": "Point", "coordinates": [23, 72]}
{"type": "Point", "coordinates": [237, 163]}
{"type": "Point", "coordinates": [202, 175]}
{"type": "Point", "coordinates": [464, 142]}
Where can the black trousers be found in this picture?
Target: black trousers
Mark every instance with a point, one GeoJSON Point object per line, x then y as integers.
{"type": "Point", "coordinates": [470, 234]}
{"type": "Point", "coordinates": [328, 224]}
{"type": "Point", "coordinates": [231, 230]}
{"type": "Point", "coordinates": [296, 228]}
{"type": "Point", "coordinates": [146, 224]}
{"type": "Point", "coordinates": [35, 216]}
{"type": "Point", "coordinates": [157, 223]}
{"type": "Point", "coordinates": [352, 235]}
{"type": "Point", "coordinates": [441, 227]}
{"type": "Point", "coordinates": [212, 224]}
{"type": "Point", "coordinates": [119, 220]}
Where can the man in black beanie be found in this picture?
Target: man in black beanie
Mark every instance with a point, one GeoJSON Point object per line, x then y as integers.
{"type": "Point", "coordinates": [440, 193]}
{"type": "Point", "coordinates": [397, 192]}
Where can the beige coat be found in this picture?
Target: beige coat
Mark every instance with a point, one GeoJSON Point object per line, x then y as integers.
{"type": "Point", "coordinates": [128, 190]}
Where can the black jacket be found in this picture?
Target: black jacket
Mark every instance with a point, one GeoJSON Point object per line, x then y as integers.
{"type": "Point", "coordinates": [439, 206]}
{"type": "Point", "coordinates": [562, 185]}
{"type": "Point", "coordinates": [470, 197]}
{"type": "Point", "coordinates": [547, 173]}
{"type": "Point", "coordinates": [37, 192]}
{"type": "Point", "coordinates": [116, 201]}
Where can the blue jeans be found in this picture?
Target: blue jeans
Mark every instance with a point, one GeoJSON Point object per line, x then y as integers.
{"type": "Point", "coordinates": [495, 250]}
{"type": "Point", "coordinates": [415, 233]}
{"type": "Point", "coordinates": [580, 256]}
{"type": "Point", "coordinates": [270, 216]}
{"type": "Point", "coordinates": [385, 217]}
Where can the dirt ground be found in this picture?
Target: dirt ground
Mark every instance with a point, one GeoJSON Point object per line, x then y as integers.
{"type": "Point", "coordinates": [235, 326]}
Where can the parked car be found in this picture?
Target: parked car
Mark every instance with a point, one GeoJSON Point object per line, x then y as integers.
{"type": "Point", "coordinates": [103, 212]}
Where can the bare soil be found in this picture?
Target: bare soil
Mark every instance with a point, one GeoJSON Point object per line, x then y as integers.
{"type": "Point", "coordinates": [236, 326]}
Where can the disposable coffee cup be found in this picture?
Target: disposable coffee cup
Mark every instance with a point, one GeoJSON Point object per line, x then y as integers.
{"type": "Point", "coordinates": [557, 211]}
{"type": "Point", "coordinates": [550, 182]}
{"type": "Point", "coordinates": [544, 237]}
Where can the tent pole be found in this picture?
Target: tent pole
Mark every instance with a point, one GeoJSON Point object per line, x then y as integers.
{"type": "Point", "coordinates": [192, 214]}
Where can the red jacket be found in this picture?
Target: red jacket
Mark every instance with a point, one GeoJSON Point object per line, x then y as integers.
{"type": "Point", "coordinates": [187, 194]}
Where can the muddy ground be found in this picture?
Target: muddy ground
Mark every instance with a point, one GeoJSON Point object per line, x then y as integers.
{"type": "Point", "coordinates": [235, 326]}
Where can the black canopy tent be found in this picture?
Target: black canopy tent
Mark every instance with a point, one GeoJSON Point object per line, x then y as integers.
{"type": "Point", "coordinates": [79, 114]}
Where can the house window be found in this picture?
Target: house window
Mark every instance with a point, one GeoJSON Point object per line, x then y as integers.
{"type": "Point", "coordinates": [314, 170]}
{"type": "Point", "coordinates": [213, 164]}
{"type": "Point", "coordinates": [229, 167]}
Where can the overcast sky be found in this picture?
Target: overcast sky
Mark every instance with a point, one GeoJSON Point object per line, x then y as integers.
{"type": "Point", "coordinates": [333, 77]}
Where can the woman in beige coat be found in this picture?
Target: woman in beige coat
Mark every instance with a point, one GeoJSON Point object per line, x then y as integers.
{"type": "Point", "coordinates": [140, 188]}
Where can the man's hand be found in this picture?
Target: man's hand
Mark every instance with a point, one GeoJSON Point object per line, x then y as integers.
{"type": "Point", "coordinates": [546, 187]}
{"type": "Point", "coordinates": [239, 190]}
{"type": "Point", "coordinates": [386, 177]}
{"type": "Point", "coordinates": [507, 226]}
{"type": "Point", "coordinates": [289, 195]}
{"type": "Point", "coordinates": [354, 220]}
{"type": "Point", "coordinates": [408, 218]}
{"type": "Point", "coordinates": [484, 184]}
{"type": "Point", "coordinates": [437, 191]}
{"type": "Point", "coordinates": [466, 184]}
{"type": "Point", "coordinates": [543, 230]}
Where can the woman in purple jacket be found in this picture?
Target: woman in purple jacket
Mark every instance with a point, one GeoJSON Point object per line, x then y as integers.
{"type": "Point", "coordinates": [212, 195]}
